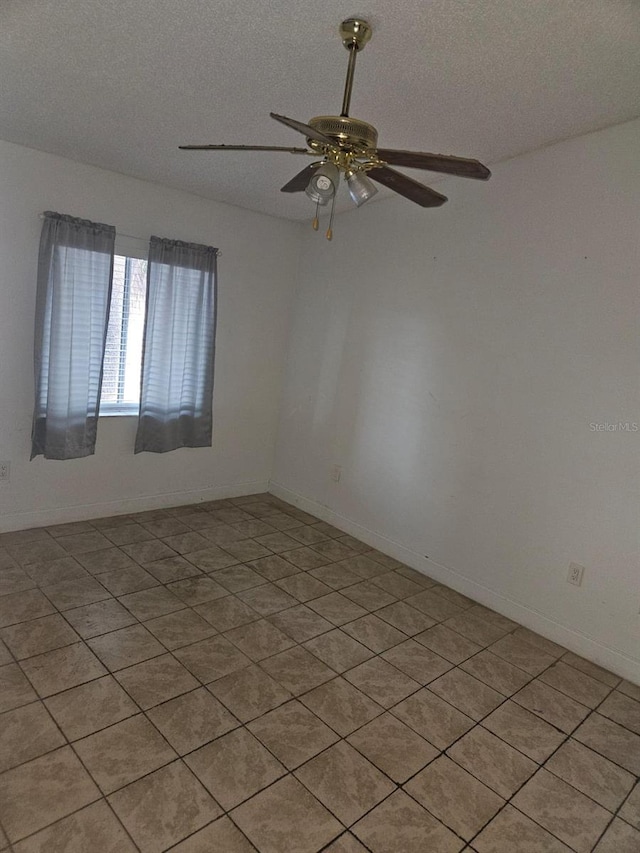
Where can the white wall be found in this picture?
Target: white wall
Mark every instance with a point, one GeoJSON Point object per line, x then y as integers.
{"type": "Point", "coordinates": [452, 362]}
{"type": "Point", "coordinates": [257, 273]}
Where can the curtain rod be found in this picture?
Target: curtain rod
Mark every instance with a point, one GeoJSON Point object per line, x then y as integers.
{"type": "Point", "coordinates": [133, 236]}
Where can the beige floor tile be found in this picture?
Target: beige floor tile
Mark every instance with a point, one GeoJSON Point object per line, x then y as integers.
{"type": "Point", "coordinates": [594, 775]}
{"type": "Point", "coordinates": [252, 528]}
{"type": "Point", "coordinates": [69, 528]}
{"type": "Point", "coordinates": [220, 835]}
{"type": "Point", "coordinates": [333, 551]}
{"type": "Point", "coordinates": [52, 571]}
{"type": "Point", "coordinates": [165, 527]}
{"type": "Point", "coordinates": [192, 720]}
{"type": "Point", "coordinates": [399, 823]}
{"type": "Point", "coordinates": [297, 670]}
{"type": "Point", "coordinates": [524, 730]}
{"type": "Point", "coordinates": [124, 581]}
{"type": "Point", "coordinates": [347, 843]}
{"type": "Point", "coordinates": [368, 595]}
{"type": "Point", "coordinates": [170, 569]}
{"type": "Point", "coordinates": [278, 542]}
{"type": "Point", "coordinates": [579, 686]}
{"type": "Point", "coordinates": [556, 708]}
{"type": "Point", "coordinates": [611, 740]}
{"type": "Point", "coordinates": [212, 658]}
{"type": "Point", "coordinates": [374, 633]}
{"type": "Point", "coordinates": [147, 552]}
{"type": "Point", "coordinates": [38, 636]}
{"type": "Point", "coordinates": [405, 618]}
{"type": "Point", "coordinates": [475, 628]}
{"type": "Point", "coordinates": [397, 585]}
{"type": "Point", "coordinates": [512, 831]}
{"type": "Point", "coordinates": [566, 813]}
{"type": "Point", "coordinates": [42, 791]}
{"type": "Point", "coordinates": [419, 577]}
{"type": "Point", "coordinates": [238, 578]}
{"type": "Point", "coordinates": [267, 599]}
{"type": "Point", "coordinates": [249, 693]}
{"type": "Point", "coordinates": [455, 797]}
{"type": "Point", "coordinates": [127, 534]}
{"type": "Point", "coordinates": [23, 606]}
{"type": "Point", "coordinates": [93, 828]}
{"type": "Point", "coordinates": [156, 680]}
{"type": "Point", "coordinates": [123, 753]}
{"type": "Point", "coordinates": [183, 543]}
{"type": "Point", "coordinates": [345, 782]}
{"type": "Point", "coordinates": [629, 689]}
{"type": "Point", "coordinates": [197, 590]}
{"type": "Point", "coordinates": [300, 623]}
{"type": "Point", "coordinates": [63, 668]}
{"type": "Point", "coordinates": [630, 811]}
{"type": "Point", "coordinates": [393, 747]}
{"type": "Point", "coordinates": [303, 587]}
{"type": "Point", "coordinates": [497, 673]}
{"type": "Point", "coordinates": [219, 534]}
{"type": "Point", "coordinates": [36, 550]}
{"type": "Point", "coordinates": [15, 689]}
{"type": "Point", "coordinates": [434, 605]}
{"type": "Point", "coordinates": [308, 535]}
{"type": "Point", "coordinates": [259, 640]}
{"type": "Point", "coordinates": [336, 608]}
{"type": "Point", "coordinates": [107, 560]}
{"type": "Point", "coordinates": [459, 599]}
{"type": "Point", "coordinates": [338, 650]}
{"type": "Point", "coordinates": [180, 628]}
{"type": "Point", "coordinates": [27, 733]}
{"type": "Point", "coordinates": [14, 579]}
{"type": "Point", "coordinates": [76, 592]}
{"type": "Point", "coordinates": [341, 706]}
{"type": "Point", "coordinates": [335, 576]}
{"type": "Point", "coordinates": [623, 710]}
{"type": "Point", "coordinates": [363, 566]}
{"type": "Point", "coordinates": [539, 642]}
{"type": "Point", "coordinates": [416, 661]}
{"type": "Point", "coordinates": [448, 644]}
{"type": "Point", "coordinates": [306, 558]}
{"type": "Point", "coordinates": [267, 819]}
{"type": "Point", "coordinates": [151, 602]}
{"type": "Point", "coordinates": [619, 838]}
{"type": "Point", "coordinates": [492, 761]}
{"type": "Point", "coordinates": [164, 807]}
{"type": "Point", "coordinates": [234, 767]}
{"type": "Point", "coordinates": [227, 613]}
{"type": "Point", "coordinates": [431, 717]}
{"type": "Point", "coordinates": [592, 669]}
{"type": "Point", "coordinates": [99, 618]}
{"type": "Point", "coordinates": [517, 651]}
{"type": "Point", "coordinates": [293, 734]}
{"type": "Point", "coordinates": [83, 543]}
{"type": "Point", "coordinates": [5, 657]}
{"type": "Point", "coordinates": [90, 707]}
{"type": "Point", "coordinates": [273, 568]}
{"type": "Point", "coordinates": [248, 549]}
{"type": "Point", "coordinates": [382, 682]}
{"type": "Point", "coordinates": [126, 647]}
{"type": "Point", "coordinates": [466, 693]}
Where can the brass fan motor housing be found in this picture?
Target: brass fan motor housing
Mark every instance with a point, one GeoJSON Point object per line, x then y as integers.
{"type": "Point", "coordinates": [350, 133]}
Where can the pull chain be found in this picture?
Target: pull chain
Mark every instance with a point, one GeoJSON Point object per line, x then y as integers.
{"type": "Point", "coordinates": [316, 221]}
{"type": "Point", "coordinates": [329, 234]}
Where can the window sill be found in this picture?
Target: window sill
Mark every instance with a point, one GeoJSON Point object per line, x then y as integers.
{"type": "Point", "coordinates": [118, 413]}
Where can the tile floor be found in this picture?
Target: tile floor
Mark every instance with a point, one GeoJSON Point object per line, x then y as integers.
{"type": "Point", "coordinates": [238, 676]}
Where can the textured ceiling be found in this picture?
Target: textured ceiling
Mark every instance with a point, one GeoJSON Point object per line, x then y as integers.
{"type": "Point", "coordinates": [120, 83]}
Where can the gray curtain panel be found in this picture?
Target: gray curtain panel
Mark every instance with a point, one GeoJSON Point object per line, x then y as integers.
{"type": "Point", "coordinates": [75, 267]}
{"type": "Point", "coordinates": [179, 344]}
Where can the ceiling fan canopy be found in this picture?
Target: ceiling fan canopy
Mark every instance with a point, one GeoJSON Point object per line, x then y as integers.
{"type": "Point", "coordinates": [347, 147]}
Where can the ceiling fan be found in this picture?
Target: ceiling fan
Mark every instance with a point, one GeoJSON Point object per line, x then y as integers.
{"type": "Point", "coordinates": [347, 146]}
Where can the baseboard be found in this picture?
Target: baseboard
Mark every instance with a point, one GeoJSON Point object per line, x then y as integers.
{"type": "Point", "coordinates": [85, 512]}
{"type": "Point", "coordinates": [575, 641]}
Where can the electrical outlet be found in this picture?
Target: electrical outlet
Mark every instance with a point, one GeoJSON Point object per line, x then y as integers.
{"type": "Point", "coordinates": [575, 574]}
{"type": "Point", "coordinates": [336, 473]}
{"type": "Point", "coordinates": [5, 471]}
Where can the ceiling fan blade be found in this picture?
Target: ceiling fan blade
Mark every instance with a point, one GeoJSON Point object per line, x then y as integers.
{"type": "Point", "coordinates": [424, 196]}
{"type": "Point", "coordinates": [299, 182]}
{"type": "Point", "coordinates": [305, 129]}
{"type": "Point", "coordinates": [243, 148]}
{"type": "Point", "coordinates": [459, 166]}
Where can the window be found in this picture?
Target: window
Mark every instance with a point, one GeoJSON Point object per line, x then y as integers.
{"type": "Point", "coordinates": [123, 350]}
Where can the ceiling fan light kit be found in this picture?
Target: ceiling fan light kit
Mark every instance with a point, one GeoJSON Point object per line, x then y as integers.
{"type": "Point", "coordinates": [348, 146]}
